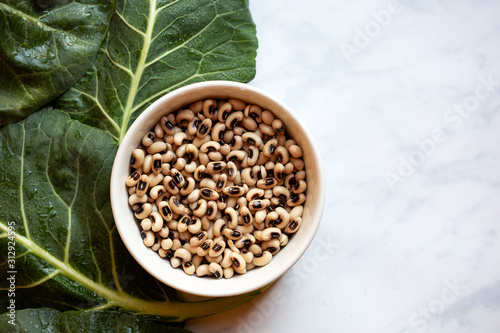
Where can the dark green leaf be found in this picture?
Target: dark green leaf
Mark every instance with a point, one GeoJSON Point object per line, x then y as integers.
{"type": "Point", "coordinates": [51, 320]}
{"type": "Point", "coordinates": [154, 47]}
{"type": "Point", "coordinates": [54, 204]}
{"type": "Point", "coordinates": [45, 47]}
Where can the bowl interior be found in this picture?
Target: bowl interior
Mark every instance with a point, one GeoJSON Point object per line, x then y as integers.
{"type": "Point", "coordinates": [160, 268]}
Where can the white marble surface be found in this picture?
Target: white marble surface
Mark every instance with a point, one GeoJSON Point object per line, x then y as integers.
{"type": "Point", "coordinates": [406, 115]}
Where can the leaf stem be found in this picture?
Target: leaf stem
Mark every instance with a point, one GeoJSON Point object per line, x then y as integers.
{"type": "Point", "coordinates": [175, 311]}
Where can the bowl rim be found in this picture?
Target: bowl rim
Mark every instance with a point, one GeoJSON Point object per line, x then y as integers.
{"type": "Point", "coordinates": [117, 187]}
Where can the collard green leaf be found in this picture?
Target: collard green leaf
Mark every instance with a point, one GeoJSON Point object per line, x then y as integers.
{"type": "Point", "coordinates": [50, 320]}
{"type": "Point", "coordinates": [45, 47]}
{"type": "Point", "coordinates": [154, 47]}
{"type": "Point", "coordinates": [54, 204]}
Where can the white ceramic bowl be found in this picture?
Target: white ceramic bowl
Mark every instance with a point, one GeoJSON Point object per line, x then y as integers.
{"type": "Point", "coordinates": [238, 284]}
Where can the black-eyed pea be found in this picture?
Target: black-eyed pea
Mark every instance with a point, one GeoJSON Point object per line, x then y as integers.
{"type": "Point", "coordinates": [252, 138]}
{"type": "Point", "coordinates": [281, 192]}
{"type": "Point", "coordinates": [231, 170]}
{"type": "Point", "coordinates": [165, 211]}
{"type": "Point", "coordinates": [238, 180]}
{"type": "Point", "coordinates": [237, 104]}
{"type": "Point", "coordinates": [236, 155]}
{"type": "Point", "coordinates": [258, 204]}
{"type": "Point", "coordinates": [179, 164]}
{"type": "Point", "coordinates": [143, 211]}
{"type": "Point", "coordinates": [246, 215]}
{"type": "Point", "coordinates": [255, 193]}
{"type": "Point", "coordinates": [294, 225]}
{"type": "Point", "coordinates": [137, 158]}
{"type": "Point", "coordinates": [157, 221]}
{"type": "Point", "coordinates": [204, 248]}
{"type": "Point", "coordinates": [164, 254]}
{"type": "Point", "coordinates": [225, 149]}
{"type": "Point", "coordinates": [255, 249]}
{"type": "Point", "coordinates": [234, 191]}
{"type": "Point", "coordinates": [196, 107]}
{"type": "Point", "coordinates": [253, 156]}
{"type": "Point", "coordinates": [210, 259]}
{"type": "Point", "coordinates": [216, 167]}
{"type": "Point", "coordinates": [267, 183]}
{"type": "Point", "coordinates": [282, 155]}
{"type": "Point", "coordinates": [295, 151]}
{"type": "Point", "coordinates": [296, 211]}
{"type": "Point", "coordinates": [177, 177]}
{"type": "Point", "coordinates": [209, 108]}
{"type": "Point", "coordinates": [228, 272]}
{"type": "Point", "coordinates": [148, 139]}
{"type": "Point", "coordinates": [175, 262]}
{"type": "Point", "coordinates": [290, 181]}
{"type": "Point", "coordinates": [191, 151]}
{"type": "Point", "coordinates": [262, 260]}
{"type": "Point", "coordinates": [278, 125]}
{"type": "Point", "coordinates": [198, 142]}
{"type": "Point", "coordinates": [195, 226]}
{"type": "Point", "coordinates": [262, 158]}
{"type": "Point", "coordinates": [281, 139]}
{"type": "Point", "coordinates": [249, 124]}
{"type": "Point", "coordinates": [202, 270]}
{"type": "Point", "coordinates": [133, 178]}
{"type": "Point", "coordinates": [188, 246]}
{"type": "Point", "coordinates": [267, 129]}
{"type": "Point", "coordinates": [254, 112]}
{"type": "Point", "coordinates": [199, 173]}
{"type": "Point", "coordinates": [299, 187]}
{"type": "Point", "coordinates": [228, 136]}
{"type": "Point", "coordinates": [289, 168]}
{"type": "Point", "coordinates": [157, 147]}
{"type": "Point", "coordinates": [260, 216]}
{"type": "Point", "coordinates": [226, 261]}
{"type": "Point", "coordinates": [196, 260]}
{"type": "Point", "coordinates": [272, 246]}
{"type": "Point", "coordinates": [188, 187]}
{"type": "Point", "coordinates": [176, 243]}
{"type": "Point", "coordinates": [270, 147]}
{"type": "Point", "coordinates": [238, 263]}
{"type": "Point", "coordinates": [170, 185]}
{"type": "Point", "coordinates": [188, 267]}
{"type": "Point", "coordinates": [296, 199]}
{"type": "Point", "coordinates": [300, 175]}
{"type": "Point", "coordinates": [245, 241]}
{"type": "Point", "coordinates": [142, 185]}
{"type": "Point", "coordinates": [183, 254]}
{"type": "Point", "coordinates": [131, 190]}
{"type": "Point", "coordinates": [184, 116]}
{"type": "Point", "coordinates": [219, 224]}
{"type": "Point", "coordinates": [209, 147]}
{"type": "Point", "coordinates": [283, 239]}
{"type": "Point", "coordinates": [200, 208]}
{"type": "Point", "coordinates": [278, 202]}
{"type": "Point", "coordinates": [205, 127]}
{"type": "Point", "coordinates": [268, 194]}
{"type": "Point", "coordinates": [148, 237]}
{"type": "Point", "coordinates": [176, 206]}
{"type": "Point", "coordinates": [267, 117]}
{"type": "Point", "coordinates": [159, 132]}
{"type": "Point", "coordinates": [184, 223]}
{"type": "Point", "coordinates": [215, 269]}
{"type": "Point", "coordinates": [190, 167]}
{"type": "Point", "coordinates": [198, 239]}
{"type": "Point", "coordinates": [279, 172]}
{"type": "Point", "coordinates": [164, 232]}
{"type": "Point", "coordinates": [157, 191]}
{"type": "Point", "coordinates": [166, 158]}
{"type": "Point", "coordinates": [283, 218]}
{"type": "Point", "coordinates": [232, 234]}
{"type": "Point", "coordinates": [134, 199]}
{"type": "Point", "coordinates": [224, 112]}
{"type": "Point", "coordinates": [221, 182]}
{"type": "Point", "coordinates": [236, 144]}
{"type": "Point", "coordinates": [298, 163]}
{"type": "Point", "coordinates": [146, 224]}
{"type": "Point", "coordinates": [268, 234]}
{"type": "Point", "coordinates": [248, 177]}
{"type": "Point", "coordinates": [247, 255]}
{"type": "Point", "coordinates": [245, 229]}
{"type": "Point", "coordinates": [166, 243]}
{"type": "Point", "coordinates": [193, 125]}
{"type": "Point", "coordinates": [271, 219]}
{"type": "Point", "coordinates": [172, 225]}
{"type": "Point", "coordinates": [217, 249]}
{"type": "Point", "coordinates": [209, 194]}
{"type": "Point", "coordinates": [231, 216]}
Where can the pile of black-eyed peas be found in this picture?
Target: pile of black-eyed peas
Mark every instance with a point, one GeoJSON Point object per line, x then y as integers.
{"type": "Point", "coordinates": [217, 187]}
